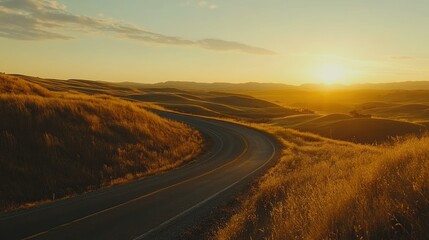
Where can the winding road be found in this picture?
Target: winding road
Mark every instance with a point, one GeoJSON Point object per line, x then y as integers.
{"type": "Point", "coordinates": [157, 207]}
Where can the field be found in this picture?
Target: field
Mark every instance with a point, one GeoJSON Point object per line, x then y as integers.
{"type": "Point", "coordinates": [200, 102]}
{"type": "Point", "coordinates": [348, 128]}
{"type": "Point", "coordinates": [355, 170]}
{"type": "Point", "coordinates": [367, 116]}
{"type": "Point", "coordinates": [214, 119]}
{"type": "Point", "coordinates": [68, 143]}
{"type": "Point", "coordinates": [399, 104]}
{"type": "Point", "coordinates": [358, 115]}
{"type": "Point", "coordinates": [326, 189]}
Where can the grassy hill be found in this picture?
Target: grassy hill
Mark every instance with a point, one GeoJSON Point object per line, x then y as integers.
{"type": "Point", "coordinates": [214, 104]}
{"type": "Point", "coordinates": [367, 130]}
{"type": "Point", "coordinates": [250, 86]}
{"type": "Point", "coordinates": [216, 86]}
{"type": "Point", "coordinates": [295, 120]}
{"type": "Point", "coordinates": [332, 100]}
{"type": "Point", "coordinates": [400, 113]}
{"type": "Point", "coordinates": [345, 127]}
{"type": "Point", "coordinates": [327, 189]}
{"type": "Point", "coordinates": [409, 111]}
{"type": "Point", "coordinates": [67, 143]}
{"type": "Point", "coordinates": [202, 102]}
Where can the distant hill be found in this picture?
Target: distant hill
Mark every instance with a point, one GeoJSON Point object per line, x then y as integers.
{"type": "Point", "coordinates": [257, 86]}
{"type": "Point", "coordinates": [412, 111]}
{"type": "Point", "coordinates": [208, 101]}
{"type": "Point", "coordinates": [252, 86]}
{"type": "Point", "coordinates": [213, 86]}
{"type": "Point", "coordinates": [409, 85]}
{"type": "Point", "coordinates": [345, 127]}
{"type": "Point", "coordinates": [367, 130]}
{"type": "Point", "coordinates": [214, 104]}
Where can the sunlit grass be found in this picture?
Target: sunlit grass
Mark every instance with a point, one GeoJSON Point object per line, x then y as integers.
{"type": "Point", "coordinates": [67, 143]}
{"type": "Point", "coordinates": [326, 189]}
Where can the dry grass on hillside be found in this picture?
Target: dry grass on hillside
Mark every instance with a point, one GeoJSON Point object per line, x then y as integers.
{"type": "Point", "coordinates": [326, 189]}
{"type": "Point", "coordinates": [409, 105]}
{"type": "Point", "coordinates": [201, 102]}
{"type": "Point", "coordinates": [70, 143]}
{"type": "Point", "coordinates": [354, 129]}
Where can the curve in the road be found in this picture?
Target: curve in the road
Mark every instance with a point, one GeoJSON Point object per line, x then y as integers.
{"type": "Point", "coordinates": [158, 207]}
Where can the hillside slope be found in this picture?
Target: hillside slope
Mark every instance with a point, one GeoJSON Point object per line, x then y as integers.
{"type": "Point", "coordinates": [345, 127]}
{"type": "Point", "coordinates": [67, 143]}
{"type": "Point", "coordinates": [413, 111]}
{"type": "Point", "coordinates": [368, 130]}
{"type": "Point", "coordinates": [202, 102]}
{"type": "Point", "coordinates": [326, 189]}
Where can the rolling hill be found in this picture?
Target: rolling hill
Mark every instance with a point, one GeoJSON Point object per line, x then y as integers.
{"type": "Point", "coordinates": [366, 130]}
{"type": "Point", "coordinates": [402, 112]}
{"type": "Point", "coordinates": [345, 127]}
{"type": "Point", "coordinates": [67, 143]}
{"type": "Point", "coordinates": [251, 86]}
{"type": "Point", "coordinates": [203, 102]}
{"type": "Point", "coordinates": [409, 111]}
{"type": "Point", "coordinates": [329, 189]}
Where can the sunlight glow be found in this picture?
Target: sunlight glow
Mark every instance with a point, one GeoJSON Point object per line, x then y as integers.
{"type": "Point", "coordinates": [331, 73]}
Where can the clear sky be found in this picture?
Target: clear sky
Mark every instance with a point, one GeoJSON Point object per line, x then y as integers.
{"type": "Point", "coordinates": [287, 41]}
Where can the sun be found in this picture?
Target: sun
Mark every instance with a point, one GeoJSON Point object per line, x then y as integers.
{"type": "Point", "coordinates": [331, 73]}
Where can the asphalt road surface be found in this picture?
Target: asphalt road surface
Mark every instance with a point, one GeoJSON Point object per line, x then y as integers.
{"type": "Point", "coordinates": [157, 207]}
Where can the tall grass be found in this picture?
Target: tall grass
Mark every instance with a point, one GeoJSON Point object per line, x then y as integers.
{"type": "Point", "coordinates": [70, 143]}
{"type": "Point", "coordinates": [325, 189]}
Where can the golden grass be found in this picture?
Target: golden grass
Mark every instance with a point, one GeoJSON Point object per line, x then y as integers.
{"type": "Point", "coordinates": [67, 143]}
{"type": "Point", "coordinates": [15, 85]}
{"type": "Point", "coordinates": [382, 103]}
{"type": "Point", "coordinates": [326, 189]}
{"type": "Point", "coordinates": [345, 127]}
{"type": "Point", "coordinates": [201, 102]}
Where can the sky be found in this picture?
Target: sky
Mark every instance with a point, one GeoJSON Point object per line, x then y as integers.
{"type": "Point", "coordinates": [284, 41]}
